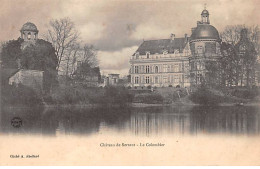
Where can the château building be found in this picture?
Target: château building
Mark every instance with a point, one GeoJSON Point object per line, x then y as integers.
{"type": "Point", "coordinates": [177, 61]}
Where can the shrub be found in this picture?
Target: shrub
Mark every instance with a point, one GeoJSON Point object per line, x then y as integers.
{"type": "Point", "coordinates": [149, 87]}
{"type": "Point", "coordinates": [245, 93]}
{"type": "Point", "coordinates": [149, 98]}
{"type": "Point", "coordinates": [170, 85]}
{"type": "Point", "coordinates": [205, 96]}
{"type": "Point", "coordinates": [20, 95]}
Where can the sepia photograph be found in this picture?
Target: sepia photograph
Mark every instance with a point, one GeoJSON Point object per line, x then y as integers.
{"type": "Point", "coordinates": [129, 83]}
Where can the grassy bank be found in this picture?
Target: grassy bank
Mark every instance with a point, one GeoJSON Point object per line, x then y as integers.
{"type": "Point", "coordinates": [120, 96]}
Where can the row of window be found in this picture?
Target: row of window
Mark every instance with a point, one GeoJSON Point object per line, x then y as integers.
{"type": "Point", "coordinates": [148, 55]}
{"type": "Point", "coordinates": [165, 79]}
{"type": "Point", "coordinates": [165, 68]}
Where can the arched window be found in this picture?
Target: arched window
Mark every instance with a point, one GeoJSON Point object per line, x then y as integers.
{"type": "Point", "coordinates": [147, 55]}
{"type": "Point", "coordinates": [29, 35]}
{"type": "Point", "coordinates": [156, 69]}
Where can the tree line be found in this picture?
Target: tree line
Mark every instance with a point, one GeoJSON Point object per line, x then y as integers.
{"type": "Point", "coordinates": [58, 52]}
{"type": "Point", "coordinates": [238, 64]}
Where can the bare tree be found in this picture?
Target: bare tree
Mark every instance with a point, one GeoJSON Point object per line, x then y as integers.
{"type": "Point", "coordinates": [238, 66]}
{"type": "Point", "coordinates": [63, 35]}
{"type": "Point", "coordinates": [89, 55]}
{"type": "Point", "coordinates": [71, 58]}
{"type": "Point", "coordinates": [231, 34]}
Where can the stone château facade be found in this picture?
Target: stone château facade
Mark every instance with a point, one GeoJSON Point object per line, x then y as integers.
{"type": "Point", "coordinates": [176, 61]}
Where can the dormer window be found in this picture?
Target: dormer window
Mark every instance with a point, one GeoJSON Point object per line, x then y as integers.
{"type": "Point", "coordinates": [137, 55]}
{"type": "Point", "coordinates": [147, 55]}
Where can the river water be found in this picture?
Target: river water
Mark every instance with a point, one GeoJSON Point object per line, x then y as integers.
{"type": "Point", "coordinates": [134, 121]}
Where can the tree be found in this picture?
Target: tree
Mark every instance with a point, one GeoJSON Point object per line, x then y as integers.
{"type": "Point", "coordinates": [41, 56]}
{"type": "Point", "coordinates": [63, 35]}
{"type": "Point", "coordinates": [246, 50]}
{"type": "Point", "coordinates": [38, 56]}
{"type": "Point", "coordinates": [229, 63]}
{"type": "Point", "coordinates": [71, 59]}
{"type": "Point", "coordinates": [231, 35]}
{"type": "Point", "coordinates": [89, 54]}
{"type": "Point", "coordinates": [212, 77]}
{"type": "Point", "coordinates": [11, 51]}
{"type": "Point", "coordinates": [238, 64]}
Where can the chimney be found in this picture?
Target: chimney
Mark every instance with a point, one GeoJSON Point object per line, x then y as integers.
{"type": "Point", "coordinates": [192, 30]}
{"type": "Point", "coordinates": [186, 37]}
{"type": "Point", "coordinates": [172, 36]}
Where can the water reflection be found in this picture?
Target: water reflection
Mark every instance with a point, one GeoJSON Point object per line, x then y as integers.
{"type": "Point", "coordinates": [147, 121]}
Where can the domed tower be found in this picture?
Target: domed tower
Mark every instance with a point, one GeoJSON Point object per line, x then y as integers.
{"type": "Point", "coordinates": [29, 32]}
{"type": "Point", "coordinates": [205, 46]}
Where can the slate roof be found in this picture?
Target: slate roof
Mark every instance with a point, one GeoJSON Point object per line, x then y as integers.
{"type": "Point", "coordinates": [158, 46]}
{"type": "Point", "coordinates": [205, 31]}
{"type": "Point", "coordinates": [5, 74]}
{"type": "Point", "coordinates": [29, 27]}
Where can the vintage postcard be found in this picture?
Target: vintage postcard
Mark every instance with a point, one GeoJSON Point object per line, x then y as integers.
{"type": "Point", "coordinates": [147, 83]}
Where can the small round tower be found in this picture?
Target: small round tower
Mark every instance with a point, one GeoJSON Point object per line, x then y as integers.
{"type": "Point", "coordinates": [29, 32]}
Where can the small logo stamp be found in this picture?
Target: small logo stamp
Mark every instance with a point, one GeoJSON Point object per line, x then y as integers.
{"type": "Point", "coordinates": [16, 122]}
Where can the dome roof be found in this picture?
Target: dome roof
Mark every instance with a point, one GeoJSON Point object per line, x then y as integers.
{"type": "Point", "coordinates": [205, 12]}
{"type": "Point", "coordinates": [29, 27]}
{"type": "Point", "coordinates": [205, 31]}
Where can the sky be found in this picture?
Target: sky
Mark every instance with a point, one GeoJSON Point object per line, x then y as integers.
{"type": "Point", "coordinates": [117, 28]}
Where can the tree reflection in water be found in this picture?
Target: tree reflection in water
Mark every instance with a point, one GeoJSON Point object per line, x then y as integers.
{"type": "Point", "coordinates": [143, 121]}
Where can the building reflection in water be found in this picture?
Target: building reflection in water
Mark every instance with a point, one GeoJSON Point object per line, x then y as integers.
{"type": "Point", "coordinates": [145, 121]}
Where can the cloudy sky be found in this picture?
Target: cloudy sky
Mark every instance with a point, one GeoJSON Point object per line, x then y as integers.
{"type": "Point", "coordinates": [117, 28]}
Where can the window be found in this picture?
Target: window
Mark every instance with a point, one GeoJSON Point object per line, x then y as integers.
{"type": "Point", "coordinates": [199, 78]}
{"type": "Point", "coordinates": [147, 55]}
{"type": "Point", "coordinates": [169, 68]}
{"type": "Point", "coordinates": [29, 36]}
{"type": "Point", "coordinates": [199, 49]}
{"type": "Point", "coordinates": [147, 79]}
{"type": "Point", "coordinates": [176, 67]}
{"type": "Point", "coordinates": [147, 69]}
{"type": "Point", "coordinates": [136, 69]}
{"type": "Point", "coordinates": [156, 79]}
{"type": "Point", "coordinates": [156, 69]}
{"type": "Point", "coordinates": [176, 79]}
{"type": "Point", "coordinates": [136, 80]}
{"type": "Point", "coordinates": [165, 67]}
{"type": "Point", "coordinates": [165, 79]}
